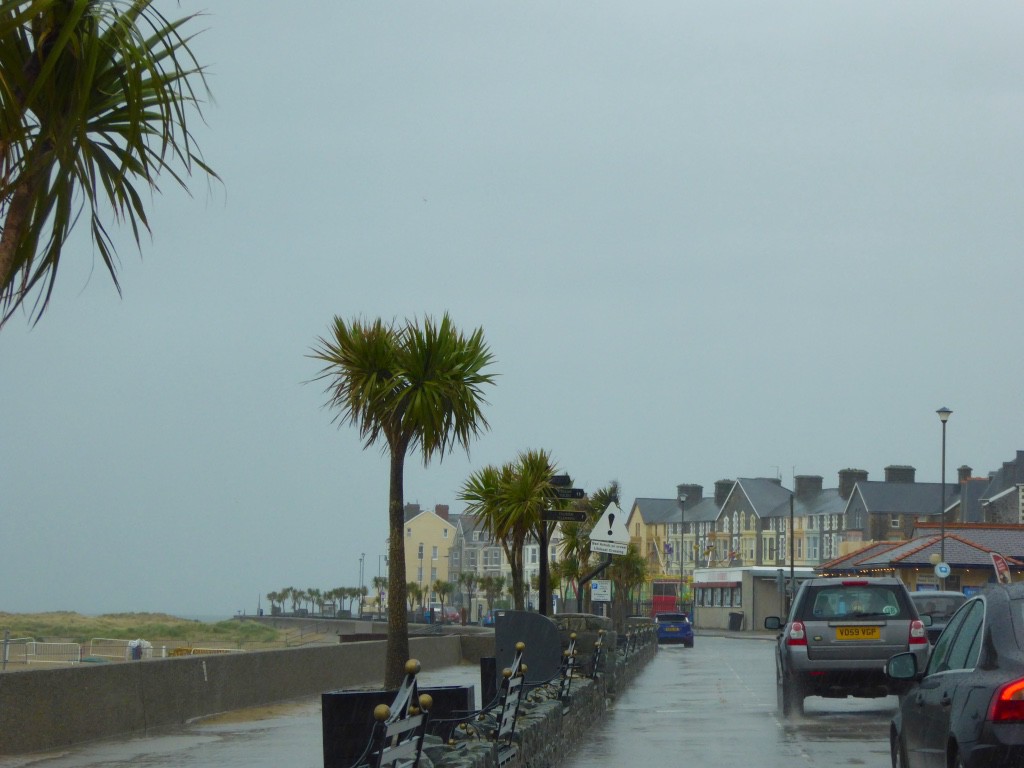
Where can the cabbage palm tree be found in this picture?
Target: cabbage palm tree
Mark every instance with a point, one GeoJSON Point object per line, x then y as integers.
{"type": "Point", "coordinates": [575, 555]}
{"type": "Point", "coordinates": [509, 501]}
{"type": "Point", "coordinates": [627, 572]}
{"type": "Point", "coordinates": [95, 103]}
{"type": "Point", "coordinates": [469, 581]}
{"type": "Point", "coordinates": [443, 590]}
{"type": "Point", "coordinates": [414, 387]}
{"type": "Point", "coordinates": [380, 585]}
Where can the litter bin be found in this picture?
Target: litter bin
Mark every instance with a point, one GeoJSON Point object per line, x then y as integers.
{"type": "Point", "coordinates": [735, 621]}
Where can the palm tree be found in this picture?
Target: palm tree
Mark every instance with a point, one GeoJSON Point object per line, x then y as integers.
{"type": "Point", "coordinates": [94, 107]}
{"type": "Point", "coordinates": [443, 590]}
{"type": "Point", "coordinates": [316, 597]}
{"type": "Point", "coordinates": [414, 594]}
{"type": "Point", "coordinates": [295, 596]}
{"type": "Point", "coordinates": [469, 581]}
{"type": "Point", "coordinates": [417, 387]}
{"type": "Point", "coordinates": [509, 501]}
{"type": "Point", "coordinates": [627, 572]}
{"type": "Point", "coordinates": [575, 547]}
{"type": "Point", "coordinates": [493, 587]}
{"type": "Point", "coordinates": [380, 584]}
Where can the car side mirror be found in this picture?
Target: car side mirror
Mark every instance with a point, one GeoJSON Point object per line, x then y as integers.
{"type": "Point", "coordinates": [772, 622]}
{"type": "Point", "coordinates": [902, 666]}
{"type": "Point", "coordinates": [926, 619]}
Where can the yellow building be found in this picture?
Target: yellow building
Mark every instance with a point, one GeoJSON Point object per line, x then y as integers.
{"type": "Point", "coordinates": [429, 535]}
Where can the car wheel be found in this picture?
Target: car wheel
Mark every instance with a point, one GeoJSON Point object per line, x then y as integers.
{"type": "Point", "coordinates": [898, 752]}
{"type": "Point", "coordinates": [790, 697]}
{"type": "Point", "coordinates": [689, 644]}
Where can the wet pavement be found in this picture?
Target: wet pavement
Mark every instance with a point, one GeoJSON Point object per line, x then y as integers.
{"type": "Point", "coordinates": [714, 704]}
{"type": "Point", "coordinates": [262, 737]}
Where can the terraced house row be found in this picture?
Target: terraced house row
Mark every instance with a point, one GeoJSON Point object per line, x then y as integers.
{"type": "Point", "coordinates": [729, 552]}
{"type": "Point", "coordinates": [735, 553]}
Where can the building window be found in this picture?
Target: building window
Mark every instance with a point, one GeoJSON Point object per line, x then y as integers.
{"type": "Point", "coordinates": [444, 534]}
{"type": "Point", "coordinates": [894, 521]}
{"type": "Point", "coordinates": [433, 575]}
{"type": "Point", "coordinates": [408, 533]}
{"type": "Point", "coordinates": [433, 552]}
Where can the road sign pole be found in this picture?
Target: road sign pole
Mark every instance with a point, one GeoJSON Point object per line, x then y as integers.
{"type": "Point", "coordinates": [542, 575]}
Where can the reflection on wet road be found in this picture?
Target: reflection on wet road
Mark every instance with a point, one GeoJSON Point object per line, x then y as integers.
{"type": "Point", "coordinates": [713, 704]}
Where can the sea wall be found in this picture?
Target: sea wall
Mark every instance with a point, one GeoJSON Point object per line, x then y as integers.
{"type": "Point", "coordinates": [41, 709]}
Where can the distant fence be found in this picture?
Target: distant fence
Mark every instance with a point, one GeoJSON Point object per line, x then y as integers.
{"type": "Point", "coordinates": [52, 653]}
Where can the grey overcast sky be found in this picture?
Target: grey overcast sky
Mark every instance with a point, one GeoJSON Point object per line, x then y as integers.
{"type": "Point", "coordinates": [704, 241]}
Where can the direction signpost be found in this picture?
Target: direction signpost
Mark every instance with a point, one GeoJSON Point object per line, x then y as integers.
{"type": "Point", "coordinates": [563, 516]}
{"type": "Point", "coordinates": [569, 493]}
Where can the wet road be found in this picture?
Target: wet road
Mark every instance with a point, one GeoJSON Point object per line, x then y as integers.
{"type": "Point", "coordinates": [714, 704]}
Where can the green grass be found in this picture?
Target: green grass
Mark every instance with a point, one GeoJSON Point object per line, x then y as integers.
{"type": "Point", "coordinates": [77, 628]}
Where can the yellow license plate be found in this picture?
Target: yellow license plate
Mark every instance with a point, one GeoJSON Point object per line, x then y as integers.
{"type": "Point", "coordinates": [858, 633]}
{"type": "Point", "coordinates": [671, 629]}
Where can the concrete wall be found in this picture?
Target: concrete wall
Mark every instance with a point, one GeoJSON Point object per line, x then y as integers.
{"type": "Point", "coordinates": [43, 709]}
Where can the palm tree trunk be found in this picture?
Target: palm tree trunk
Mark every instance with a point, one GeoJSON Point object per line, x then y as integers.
{"type": "Point", "coordinates": [398, 620]}
{"type": "Point", "coordinates": [14, 226]}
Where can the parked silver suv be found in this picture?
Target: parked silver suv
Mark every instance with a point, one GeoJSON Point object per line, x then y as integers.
{"type": "Point", "coordinates": [839, 634]}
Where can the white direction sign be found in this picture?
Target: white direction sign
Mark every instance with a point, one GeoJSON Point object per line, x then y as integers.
{"type": "Point", "coordinates": [609, 534]}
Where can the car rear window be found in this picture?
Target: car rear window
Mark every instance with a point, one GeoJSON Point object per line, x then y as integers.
{"type": "Point", "coordinates": [861, 601]}
{"type": "Point", "coordinates": [939, 608]}
{"type": "Point", "coordinates": [672, 617]}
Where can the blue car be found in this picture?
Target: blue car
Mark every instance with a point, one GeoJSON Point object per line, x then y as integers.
{"type": "Point", "coordinates": [674, 628]}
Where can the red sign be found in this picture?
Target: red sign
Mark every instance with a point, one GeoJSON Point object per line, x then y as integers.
{"type": "Point", "coordinates": [1002, 569]}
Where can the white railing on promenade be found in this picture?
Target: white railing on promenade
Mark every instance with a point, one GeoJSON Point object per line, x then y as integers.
{"type": "Point", "coordinates": [52, 653]}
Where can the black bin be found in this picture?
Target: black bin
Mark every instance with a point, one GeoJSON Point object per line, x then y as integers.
{"type": "Point", "coordinates": [735, 621]}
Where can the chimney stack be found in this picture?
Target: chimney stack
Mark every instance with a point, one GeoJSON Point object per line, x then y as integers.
{"type": "Point", "coordinates": [963, 474]}
{"type": "Point", "coordinates": [694, 493]}
{"type": "Point", "coordinates": [441, 510]}
{"type": "Point", "coordinates": [849, 478]}
{"type": "Point", "coordinates": [807, 485]}
{"type": "Point", "coordinates": [722, 488]}
{"type": "Point", "coordinates": [896, 473]}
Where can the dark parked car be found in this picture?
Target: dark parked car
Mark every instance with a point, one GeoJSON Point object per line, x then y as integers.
{"type": "Point", "coordinates": [966, 707]}
{"type": "Point", "coordinates": [838, 636]}
{"type": "Point", "coordinates": [674, 628]}
{"type": "Point", "coordinates": [936, 608]}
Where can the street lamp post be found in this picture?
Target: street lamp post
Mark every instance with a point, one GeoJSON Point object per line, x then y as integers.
{"type": "Point", "coordinates": [944, 414]}
{"type": "Point", "coordinates": [362, 560]}
{"type": "Point", "coordinates": [681, 497]}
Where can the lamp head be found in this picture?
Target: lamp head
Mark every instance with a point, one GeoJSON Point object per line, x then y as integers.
{"type": "Point", "coordinates": [943, 414]}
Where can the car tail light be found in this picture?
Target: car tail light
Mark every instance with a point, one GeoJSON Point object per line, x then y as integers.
{"type": "Point", "coordinates": [797, 636]}
{"type": "Point", "coordinates": [918, 634]}
{"type": "Point", "coordinates": [1008, 703]}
